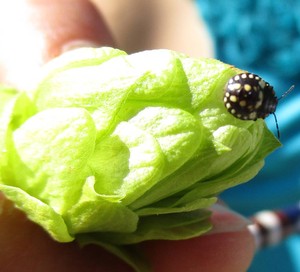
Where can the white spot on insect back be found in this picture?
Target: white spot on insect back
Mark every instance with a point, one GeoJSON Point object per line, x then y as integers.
{"type": "Point", "coordinates": [231, 87]}
{"type": "Point", "coordinates": [237, 86]}
{"type": "Point", "coordinates": [260, 100]}
{"type": "Point", "coordinates": [233, 98]}
{"type": "Point", "coordinates": [253, 115]}
{"type": "Point", "coordinates": [237, 77]}
{"type": "Point", "coordinates": [262, 84]}
{"type": "Point", "coordinates": [247, 87]}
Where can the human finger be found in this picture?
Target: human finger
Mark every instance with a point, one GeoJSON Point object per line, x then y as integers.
{"type": "Point", "coordinates": [229, 247]}
{"type": "Point", "coordinates": [34, 31]}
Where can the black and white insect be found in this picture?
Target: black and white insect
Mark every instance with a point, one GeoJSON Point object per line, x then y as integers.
{"type": "Point", "coordinates": [248, 97]}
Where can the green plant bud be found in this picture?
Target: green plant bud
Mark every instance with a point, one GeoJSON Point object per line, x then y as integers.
{"type": "Point", "coordinates": [115, 149]}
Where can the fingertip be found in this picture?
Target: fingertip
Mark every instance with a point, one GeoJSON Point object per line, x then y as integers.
{"type": "Point", "coordinates": [227, 252]}
{"type": "Point", "coordinates": [69, 23]}
{"type": "Point", "coordinates": [37, 31]}
{"type": "Point", "coordinates": [229, 246]}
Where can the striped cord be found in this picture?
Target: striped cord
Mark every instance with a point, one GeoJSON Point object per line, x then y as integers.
{"type": "Point", "coordinates": [271, 227]}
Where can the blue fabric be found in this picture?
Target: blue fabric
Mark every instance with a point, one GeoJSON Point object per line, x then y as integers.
{"type": "Point", "coordinates": [263, 36]}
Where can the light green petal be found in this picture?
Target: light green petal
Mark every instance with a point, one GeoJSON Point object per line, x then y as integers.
{"type": "Point", "coordinates": [39, 212]}
{"type": "Point", "coordinates": [175, 226]}
{"type": "Point", "coordinates": [54, 146]}
{"type": "Point", "coordinates": [168, 206]}
{"type": "Point", "coordinates": [164, 83]}
{"type": "Point", "coordinates": [80, 57]}
{"type": "Point", "coordinates": [146, 161]}
{"type": "Point", "coordinates": [177, 131]}
{"type": "Point", "coordinates": [100, 89]}
{"type": "Point", "coordinates": [15, 108]}
{"type": "Point", "coordinates": [99, 213]}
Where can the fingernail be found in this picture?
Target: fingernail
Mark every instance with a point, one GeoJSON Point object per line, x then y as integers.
{"type": "Point", "coordinates": [256, 234]}
{"type": "Point", "coordinates": [78, 44]}
{"type": "Point", "coordinates": [225, 220]}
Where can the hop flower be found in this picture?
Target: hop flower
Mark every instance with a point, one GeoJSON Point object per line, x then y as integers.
{"type": "Point", "coordinates": [116, 149]}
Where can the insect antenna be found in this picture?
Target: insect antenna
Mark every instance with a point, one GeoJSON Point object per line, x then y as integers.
{"type": "Point", "coordinates": [277, 127]}
{"type": "Point", "coordinates": [287, 92]}
{"type": "Point", "coordinates": [282, 96]}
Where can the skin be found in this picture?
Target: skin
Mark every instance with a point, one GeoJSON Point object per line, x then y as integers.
{"type": "Point", "coordinates": [44, 29]}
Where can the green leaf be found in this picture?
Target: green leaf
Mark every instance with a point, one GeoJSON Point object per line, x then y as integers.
{"type": "Point", "coordinates": [99, 89]}
{"type": "Point", "coordinates": [164, 80]}
{"type": "Point", "coordinates": [99, 213]}
{"type": "Point", "coordinates": [168, 206]}
{"type": "Point", "coordinates": [54, 146]}
{"type": "Point", "coordinates": [80, 57]}
{"type": "Point", "coordinates": [15, 108]}
{"type": "Point", "coordinates": [177, 132]}
{"type": "Point", "coordinates": [39, 212]}
{"type": "Point", "coordinates": [175, 226]}
{"type": "Point", "coordinates": [146, 161]}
